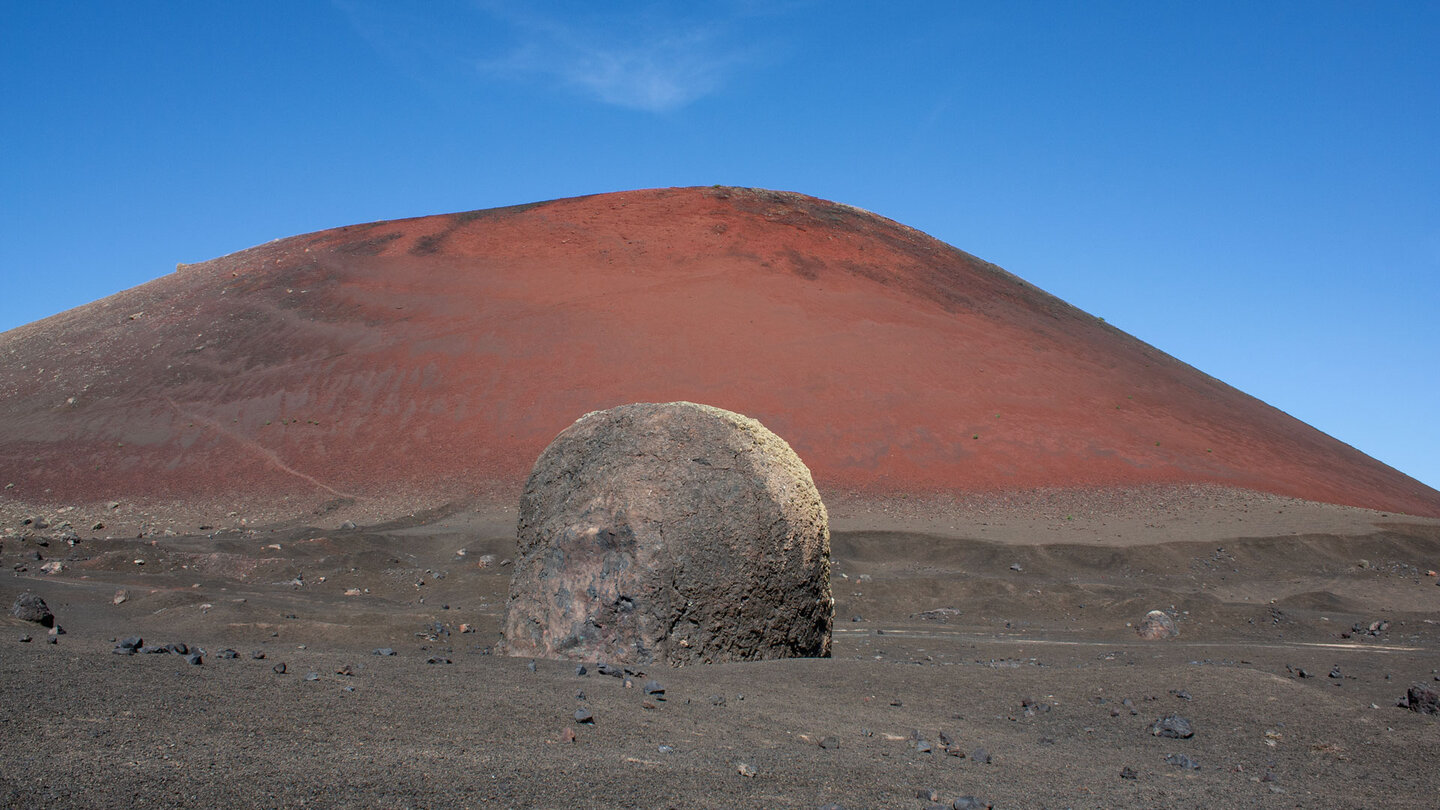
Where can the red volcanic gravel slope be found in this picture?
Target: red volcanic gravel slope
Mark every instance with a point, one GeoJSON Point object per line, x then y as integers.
{"type": "Point", "coordinates": [434, 358]}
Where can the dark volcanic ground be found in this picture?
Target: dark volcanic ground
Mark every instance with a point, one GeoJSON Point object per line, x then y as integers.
{"type": "Point", "coordinates": [1004, 627]}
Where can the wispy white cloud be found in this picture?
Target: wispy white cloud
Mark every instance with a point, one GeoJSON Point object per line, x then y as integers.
{"type": "Point", "coordinates": [642, 60]}
{"type": "Point", "coordinates": [653, 57]}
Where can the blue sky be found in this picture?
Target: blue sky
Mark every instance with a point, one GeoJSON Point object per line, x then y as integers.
{"type": "Point", "coordinates": [1251, 187]}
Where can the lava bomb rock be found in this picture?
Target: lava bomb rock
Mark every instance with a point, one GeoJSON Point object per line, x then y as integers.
{"type": "Point", "coordinates": [1156, 626]}
{"type": "Point", "coordinates": [31, 608]}
{"type": "Point", "coordinates": [670, 533]}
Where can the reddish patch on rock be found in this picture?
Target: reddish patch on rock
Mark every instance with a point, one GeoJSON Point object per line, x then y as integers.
{"type": "Point", "coordinates": [423, 360]}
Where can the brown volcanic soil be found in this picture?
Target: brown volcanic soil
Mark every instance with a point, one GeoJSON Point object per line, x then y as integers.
{"type": "Point", "coordinates": [951, 638]}
{"type": "Point", "coordinates": [379, 369]}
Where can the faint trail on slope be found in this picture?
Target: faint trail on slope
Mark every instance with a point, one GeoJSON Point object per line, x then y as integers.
{"type": "Point", "coordinates": [257, 448]}
{"type": "Point", "coordinates": [1020, 640]}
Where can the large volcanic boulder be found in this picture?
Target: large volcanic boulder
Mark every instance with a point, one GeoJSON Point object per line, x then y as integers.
{"type": "Point", "coordinates": [673, 533]}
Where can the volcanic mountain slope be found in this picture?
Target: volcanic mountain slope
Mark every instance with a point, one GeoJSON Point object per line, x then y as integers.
{"type": "Point", "coordinates": [420, 361]}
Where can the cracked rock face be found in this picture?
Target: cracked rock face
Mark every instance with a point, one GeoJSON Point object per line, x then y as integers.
{"type": "Point", "coordinates": [670, 533]}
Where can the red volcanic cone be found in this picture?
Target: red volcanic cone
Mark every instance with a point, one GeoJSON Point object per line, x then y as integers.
{"type": "Point", "coordinates": [425, 360]}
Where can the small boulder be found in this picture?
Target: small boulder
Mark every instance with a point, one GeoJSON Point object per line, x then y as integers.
{"type": "Point", "coordinates": [1422, 699]}
{"type": "Point", "coordinates": [1183, 761]}
{"type": "Point", "coordinates": [31, 608]}
{"type": "Point", "coordinates": [1172, 726]}
{"type": "Point", "coordinates": [670, 533]}
{"type": "Point", "coordinates": [1156, 626]}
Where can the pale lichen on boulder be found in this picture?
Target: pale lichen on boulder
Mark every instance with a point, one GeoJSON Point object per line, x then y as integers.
{"type": "Point", "coordinates": [670, 533]}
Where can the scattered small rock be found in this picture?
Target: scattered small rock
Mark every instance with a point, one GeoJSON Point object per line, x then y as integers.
{"type": "Point", "coordinates": [383, 651]}
{"type": "Point", "coordinates": [1374, 628]}
{"type": "Point", "coordinates": [25, 638]}
{"type": "Point", "coordinates": [829, 743]}
{"type": "Point", "coordinates": [568, 735]}
{"type": "Point", "coordinates": [1182, 761]}
{"type": "Point", "coordinates": [312, 676]}
{"type": "Point", "coordinates": [583, 715]}
{"type": "Point", "coordinates": [654, 688]}
{"type": "Point", "coordinates": [970, 803]}
{"type": "Point", "coordinates": [278, 669]}
{"type": "Point", "coordinates": [746, 770]}
{"type": "Point", "coordinates": [1172, 726]}
{"type": "Point", "coordinates": [195, 659]}
{"type": "Point", "coordinates": [227, 654]}
{"type": "Point", "coordinates": [580, 670]}
{"type": "Point", "coordinates": [438, 659]}
{"type": "Point", "coordinates": [258, 655]}
{"type": "Point", "coordinates": [1128, 773]}
{"type": "Point", "coordinates": [980, 756]}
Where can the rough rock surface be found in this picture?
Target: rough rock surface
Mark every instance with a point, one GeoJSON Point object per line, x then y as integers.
{"type": "Point", "coordinates": [1421, 699]}
{"type": "Point", "coordinates": [675, 533]}
{"type": "Point", "coordinates": [31, 608]}
{"type": "Point", "coordinates": [1157, 625]}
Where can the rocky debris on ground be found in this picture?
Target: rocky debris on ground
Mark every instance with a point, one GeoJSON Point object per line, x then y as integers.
{"type": "Point", "coordinates": [941, 615]}
{"type": "Point", "coordinates": [1128, 773]}
{"type": "Point", "coordinates": [383, 651]}
{"type": "Point", "coordinates": [1172, 726]}
{"type": "Point", "coordinates": [675, 533]}
{"type": "Point", "coordinates": [1421, 699]}
{"type": "Point", "coordinates": [31, 607]}
{"type": "Point", "coordinates": [1374, 628]}
{"type": "Point", "coordinates": [1156, 626]}
{"type": "Point", "coordinates": [584, 716]}
{"type": "Point", "coordinates": [1030, 707]}
{"type": "Point", "coordinates": [970, 803]}
{"type": "Point", "coordinates": [1182, 761]}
